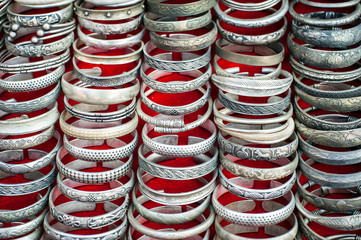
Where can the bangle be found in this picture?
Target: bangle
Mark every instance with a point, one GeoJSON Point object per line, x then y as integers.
{"type": "Point", "coordinates": [154, 215]}
{"type": "Point", "coordinates": [172, 199]}
{"type": "Point", "coordinates": [180, 42]}
{"type": "Point", "coordinates": [166, 144]}
{"type": "Point", "coordinates": [81, 93]}
{"type": "Point", "coordinates": [236, 212]}
{"type": "Point", "coordinates": [117, 189]}
{"type": "Point", "coordinates": [114, 3]}
{"type": "Point", "coordinates": [156, 23]}
{"type": "Point", "coordinates": [330, 5]}
{"type": "Point", "coordinates": [73, 169]}
{"type": "Point", "coordinates": [287, 167]}
{"type": "Point", "coordinates": [39, 159]}
{"type": "Point", "coordinates": [26, 142]}
{"type": "Point", "coordinates": [271, 54]}
{"type": "Point", "coordinates": [78, 149]}
{"type": "Point", "coordinates": [36, 234]}
{"type": "Point", "coordinates": [91, 131]}
{"type": "Point", "coordinates": [250, 6]}
{"type": "Point", "coordinates": [62, 212]}
{"type": "Point", "coordinates": [44, 3]}
{"type": "Point", "coordinates": [164, 61]}
{"type": "Point", "coordinates": [239, 148]}
{"type": "Point", "coordinates": [26, 212]}
{"type": "Point", "coordinates": [319, 197]}
{"type": "Point", "coordinates": [251, 23]}
{"type": "Point", "coordinates": [177, 10]}
{"type": "Point", "coordinates": [31, 105]}
{"type": "Point", "coordinates": [242, 187]}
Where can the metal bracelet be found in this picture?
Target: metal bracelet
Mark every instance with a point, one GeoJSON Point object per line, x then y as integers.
{"type": "Point", "coordinates": [177, 10]}
{"type": "Point", "coordinates": [330, 5]}
{"type": "Point", "coordinates": [250, 6]}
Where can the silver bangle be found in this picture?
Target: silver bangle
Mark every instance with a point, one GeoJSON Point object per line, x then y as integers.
{"type": "Point", "coordinates": [250, 6]}
{"type": "Point", "coordinates": [166, 145]}
{"type": "Point", "coordinates": [44, 3]}
{"type": "Point", "coordinates": [176, 10]}
{"type": "Point", "coordinates": [330, 5]}
{"type": "Point", "coordinates": [114, 3]}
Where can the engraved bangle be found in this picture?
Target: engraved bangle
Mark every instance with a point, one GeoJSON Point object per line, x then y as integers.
{"type": "Point", "coordinates": [41, 102]}
{"type": "Point", "coordinates": [93, 76]}
{"type": "Point", "coordinates": [340, 138]}
{"type": "Point", "coordinates": [165, 62]}
{"type": "Point", "coordinates": [328, 20]}
{"type": "Point", "coordinates": [328, 156]}
{"type": "Point", "coordinates": [97, 40]}
{"type": "Point", "coordinates": [34, 235]}
{"type": "Point", "coordinates": [156, 216]}
{"type": "Point", "coordinates": [27, 82]}
{"type": "Point", "coordinates": [173, 124]}
{"type": "Point", "coordinates": [250, 6]}
{"type": "Point", "coordinates": [252, 23]}
{"type": "Point", "coordinates": [38, 181]}
{"type": "Point", "coordinates": [157, 23]}
{"type": "Point", "coordinates": [26, 142]}
{"type": "Point", "coordinates": [23, 228]}
{"type": "Point", "coordinates": [78, 148]}
{"type": "Point", "coordinates": [107, 14]}
{"type": "Point", "coordinates": [183, 10]}
{"type": "Point", "coordinates": [275, 104]}
{"type": "Point", "coordinates": [176, 110]}
{"type": "Point", "coordinates": [329, 179]}
{"type": "Point", "coordinates": [87, 54]}
{"type": "Point", "coordinates": [331, 104]}
{"type": "Point", "coordinates": [63, 212]}
{"type": "Point", "coordinates": [271, 54]}
{"type": "Point", "coordinates": [28, 211]}
{"type": "Point", "coordinates": [350, 222]}
{"type": "Point", "coordinates": [236, 212]}
{"type": "Point", "coordinates": [150, 164]}
{"type": "Point", "coordinates": [166, 144]}
{"type": "Point", "coordinates": [172, 199]}
{"type": "Point", "coordinates": [117, 189]}
{"type": "Point", "coordinates": [319, 197]}
{"type": "Point", "coordinates": [332, 38]}
{"type": "Point", "coordinates": [84, 129]}
{"type": "Point", "coordinates": [252, 39]}
{"type": "Point", "coordinates": [74, 170]}
{"type": "Point", "coordinates": [39, 159]}
{"type": "Point", "coordinates": [94, 112]}
{"type": "Point", "coordinates": [60, 231]}
{"type": "Point", "coordinates": [117, 28]}
{"type": "Point", "coordinates": [180, 42]}
{"type": "Point", "coordinates": [198, 80]}
{"type": "Point", "coordinates": [322, 58]}
{"type": "Point", "coordinates": [330, 5]}
{"type": "Point", "coordinates": [138, 221]}
{"type": "Point", "coordinates": [242, 187]}
{"type": "Point", "coordinates": [287, 167]}
{"type": "Point", "coordinates": [239, 148]}
{"type": "Point", "coordinates": [25, 125]}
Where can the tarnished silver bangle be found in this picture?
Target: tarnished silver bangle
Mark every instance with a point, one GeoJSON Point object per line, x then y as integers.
{"type": "Point", "coordinates": [250, 6]}
{"type": "Point", "coordinates": [36, 234]}
{"type": "Point", "coordinates": [183, 10]}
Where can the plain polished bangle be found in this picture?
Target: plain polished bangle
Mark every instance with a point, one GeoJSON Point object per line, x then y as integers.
{"type": "Point", "coordinates": [329, 20]}
{"type": "Point", "coordinates": [252, 23]}
{"type": "Point", "coordinates": [330, 5]}
{"type": "Point", "coordinates": [322, 58]}
{"type": "Point", "coordinates": [44, 3]}
{"type": "Point", "coordinates": [250, 6]}
{"type": "Point", "coordinates": [79, 92]}
{"type": "Point", "coordinates": [271, 54]}
{"type": "Point", "coordinates": [176, 10]}
{"type": "Point", "coordinates": [39, 158]}
{"type": "Point", "coordinates": [78, 148]}
{"type": "Point", "coordinates": [166, 144]}
{"type": "Point", "coordinates": [164, 61]}
{"type": "Point", "coordinates": [329, 179]}
{"type": "Point", "coordinates": [114, 3]}
{"type": "Point", "coordinates": [109, 130]}
{"type": "Point", "coordinates": [117, 189]}
{"type": "Point", "coordinates": [180, 42]}
{"type": "Point", "coordinates": [286, 168]}
{"type": "Point", "coordinates": [157, 23]}
{"type": "Point", "coordinates": [236, 212]}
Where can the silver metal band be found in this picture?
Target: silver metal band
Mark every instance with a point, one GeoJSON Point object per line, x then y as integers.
{"type": "Point", "coordinates": [177, 10]}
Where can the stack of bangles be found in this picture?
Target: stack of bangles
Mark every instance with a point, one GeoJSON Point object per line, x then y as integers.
{"type": "Point", "coordinates": [327, 106]}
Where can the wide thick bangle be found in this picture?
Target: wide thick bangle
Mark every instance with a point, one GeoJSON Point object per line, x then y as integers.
{"type": "Point", "coordinates": [166, 145]}
{"type": "Point", "coordinates": [250, 6]}
{"type": "Point", "coordinates": [109, 130]}
{"type": "Point", "coordinates": [271, 54]}
{"type": "Point", "coordinates": [235, 212]}
{"type": "Point", "coordinates": [117, 189]}
{"type": "Point", "coordinates": [183, 10]}
{"type": "Point", "coordinates": [114, 3]}
{"type": "Point", "coordinates": [164, 61]}
{"type": "Point", "coordinates": [44, 3]}
{"type": "Point", "coordinates": [180, 42]}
